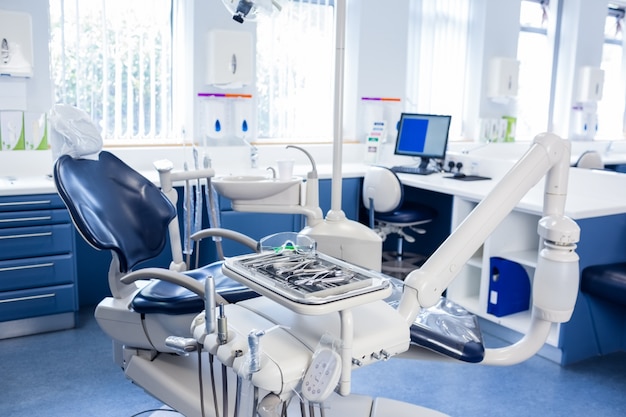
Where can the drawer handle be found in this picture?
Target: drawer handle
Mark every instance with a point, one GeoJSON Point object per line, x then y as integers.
{"type": "Point", "coordinates": [32, 297]}
{"type": "Point", "coordinates": [26, 236]}
{"type": "Point", "coordinates": [26, 219]}
{"type": "Point", "coordinates": [17, 268]}
{"type": "Point", "coordinates": [26, 203]}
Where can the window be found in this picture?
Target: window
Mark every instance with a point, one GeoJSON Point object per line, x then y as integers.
{"type": "Point", "coordinates": [438, 43]}
{"type": "Point", "coordinates": [295, 61]}
{"type": "Point", "coordinates": [535, 55]}
{"type": "Point", "coordinates": [611, 106]}
{"type": "Point", "coordinates": [112, 59]}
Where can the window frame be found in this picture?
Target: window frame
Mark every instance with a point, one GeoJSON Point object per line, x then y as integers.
{"type": "Point", "coordinates": [615, 11]}
{"type": "Point", "coordinates": [553, 47]}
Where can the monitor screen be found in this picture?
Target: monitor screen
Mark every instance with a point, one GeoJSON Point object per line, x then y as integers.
{"type": "Point", "coordinates": [423, 135]}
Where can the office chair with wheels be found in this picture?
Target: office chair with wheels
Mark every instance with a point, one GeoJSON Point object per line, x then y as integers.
{"type": "Point", "coordinates": [389, 213]}
{"type": "Point", "coordinates": [116, 208]}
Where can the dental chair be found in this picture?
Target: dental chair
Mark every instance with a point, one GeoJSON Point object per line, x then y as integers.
{"type": "Point", "coordinates": [151, 317]}
{"type": "Point", "coordinates": [281, 353]}
{"type": "Point", "coordinates": [389, 213]}
{"type": "Point", "coordinates": [116, 208]}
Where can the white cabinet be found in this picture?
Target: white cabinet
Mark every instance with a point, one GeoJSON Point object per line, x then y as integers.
{"type": "Point", "coordinates": [515, 239]}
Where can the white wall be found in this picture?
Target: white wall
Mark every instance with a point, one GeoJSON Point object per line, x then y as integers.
{"type": "Point", "coordinates": [581, 38]}
{"type": "Point", "coordinates": [39, 86]}
{"type": "Point", "coordinates": [377, 52]}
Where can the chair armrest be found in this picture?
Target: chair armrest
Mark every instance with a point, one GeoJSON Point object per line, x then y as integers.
{"type": "Point", "coordinates": [229, 234]}
{"type": "Point", "coordinates": [165, 275]}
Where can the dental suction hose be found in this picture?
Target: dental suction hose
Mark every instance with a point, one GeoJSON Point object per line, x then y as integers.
{"type": "Point", "coordinates": [254, 350]}
{"type": "Point", "coordinates": [210, 321]}
{"type": "Point", "coordinates": [222, 327]}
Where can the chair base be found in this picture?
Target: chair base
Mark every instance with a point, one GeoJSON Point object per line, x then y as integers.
{"type": "Point", "coordinates": [400, 266]}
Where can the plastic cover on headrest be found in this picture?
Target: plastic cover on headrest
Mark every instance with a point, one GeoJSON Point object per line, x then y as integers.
{"type": "Point", "coordinates": [73, 133]}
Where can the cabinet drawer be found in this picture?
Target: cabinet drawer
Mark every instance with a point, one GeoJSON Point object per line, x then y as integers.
{"type": "Point", "coordinates": [27, 242]}
{"type": "Point", "coordinates": [30, 202]}
{"type": "Point", "coordinates": [37, 302]}
{"type": "Point", "coordinates": [33, 217]}
{"type": "Point", "coordinates": [36, 272]}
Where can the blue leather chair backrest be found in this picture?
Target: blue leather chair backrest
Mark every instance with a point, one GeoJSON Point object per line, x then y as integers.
{"type": "Point", "coordinates": [114, 207]}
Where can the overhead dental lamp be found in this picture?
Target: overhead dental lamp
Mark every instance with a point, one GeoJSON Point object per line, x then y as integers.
{"type": "Point", "coordinates": [250, 9]}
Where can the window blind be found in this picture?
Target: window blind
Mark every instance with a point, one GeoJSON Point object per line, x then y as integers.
{"type": "Point", "coordinates": [112, 59]}
{"type": "Point", "coordinates": [438, 42]}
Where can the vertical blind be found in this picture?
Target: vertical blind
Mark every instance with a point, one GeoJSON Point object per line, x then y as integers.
{"type": "Point", "coordinates": [112, 59]}
{"type": "Point", "coordinates": [438, 41]}
{"type": "Point", "coordinates": [295, 72]}
{"type": "Point", "coordinates": [535, 54]}
{"type": "Point", "coordinates": [611, 114]}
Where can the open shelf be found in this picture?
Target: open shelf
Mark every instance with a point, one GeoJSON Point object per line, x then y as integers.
{"type": "Point", "coordinates": [516, 240]}
{"type": "Point", "coordinates": [526, 258]}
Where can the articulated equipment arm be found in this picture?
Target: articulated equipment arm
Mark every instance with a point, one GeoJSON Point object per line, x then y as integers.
{"type": "Point", "coordinates": [555, 284]}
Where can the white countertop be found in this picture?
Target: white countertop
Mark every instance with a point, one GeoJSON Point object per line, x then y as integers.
{"type": "Point", "coordinates": [590, 193]}
{"type": "Point", "coordinates": [27, 185]}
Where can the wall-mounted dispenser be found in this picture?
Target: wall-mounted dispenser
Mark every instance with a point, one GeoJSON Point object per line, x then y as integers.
{"type": "Point", "coordinates": [503, 77]}
{"type": "Point", "coordinates": [226, 118]}
{"type": "Point", "coordinates": [590, 84]}
{"type": "Point", "coordinates": [584, 113]}
{"type": "Point", "coordinates": [229, 63]}
{"type": "Point", "coordinates": [16, 44]}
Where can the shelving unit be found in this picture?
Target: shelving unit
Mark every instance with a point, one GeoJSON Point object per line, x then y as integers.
{"type": "Point", "coordinates": [515, 239]}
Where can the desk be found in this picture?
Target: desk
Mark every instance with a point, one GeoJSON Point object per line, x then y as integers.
{"type": "Point", "coordinates": [595, 201]}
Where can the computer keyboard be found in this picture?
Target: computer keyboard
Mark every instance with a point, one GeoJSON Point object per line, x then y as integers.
{"type": "Point", "coordinates": [400, 169]}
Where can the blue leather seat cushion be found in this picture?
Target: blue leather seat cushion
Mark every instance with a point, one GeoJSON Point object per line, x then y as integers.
{"type": "Point", "coordinates": [408, 213]}
{"type": "Point", "coordinates": [163, 297]}
{"type": "Point", "coordinates": [606, 281]}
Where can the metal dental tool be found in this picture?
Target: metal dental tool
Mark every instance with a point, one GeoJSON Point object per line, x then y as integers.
{"type": "Point", "coordinates": [222, 338]}
{"type": "Point", "coordinates": [210, 322]}
{"type": "Point", "coordinates": [210, 319]}
{"type": "Point", "coordinates": [222, 327]}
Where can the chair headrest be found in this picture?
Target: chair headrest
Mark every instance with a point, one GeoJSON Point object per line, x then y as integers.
{"type": "Point", "coordinates": [73, 132]}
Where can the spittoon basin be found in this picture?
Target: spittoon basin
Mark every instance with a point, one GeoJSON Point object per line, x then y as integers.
{"type": "Point", "coordinates": [251, 187]}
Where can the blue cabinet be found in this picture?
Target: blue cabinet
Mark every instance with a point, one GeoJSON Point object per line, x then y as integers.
{"type": "Point", "coordinates": [37, 265]}
{"type": "Point", "coordinates": [350, 196]}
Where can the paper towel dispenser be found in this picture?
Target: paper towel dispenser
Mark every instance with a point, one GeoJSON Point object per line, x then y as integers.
{"type": "Point", "coordinates": [229, 59]}
{"type": "Point", "coordinates": [16, 44]}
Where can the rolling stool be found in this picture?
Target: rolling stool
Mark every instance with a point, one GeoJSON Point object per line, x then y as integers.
{"type": "Point", "coordinates": [383, 196]}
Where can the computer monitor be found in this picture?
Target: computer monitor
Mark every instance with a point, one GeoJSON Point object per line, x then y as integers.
{"type": "Point", "coordinates": [423, 135]}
